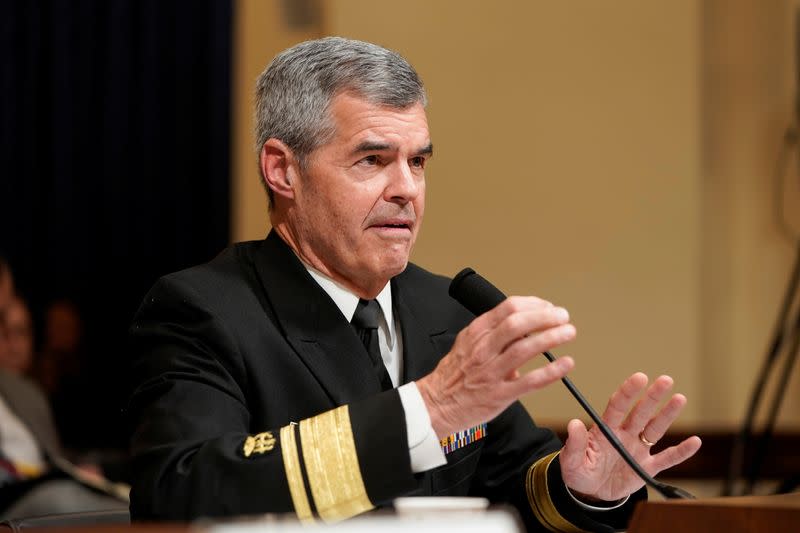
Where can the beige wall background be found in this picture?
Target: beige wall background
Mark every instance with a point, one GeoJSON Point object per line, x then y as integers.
{"type": "Point", "coordinates": [616, 158]}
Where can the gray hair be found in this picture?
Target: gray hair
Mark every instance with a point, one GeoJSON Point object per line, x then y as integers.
{"type": "Point", "coordinates": [294, 93]}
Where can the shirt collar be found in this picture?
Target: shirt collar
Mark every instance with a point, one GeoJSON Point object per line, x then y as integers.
{"type": "Point", "coordinates": [347, 302]}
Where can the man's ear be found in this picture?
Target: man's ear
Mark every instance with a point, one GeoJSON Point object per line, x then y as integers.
{"type": "Point", "coordinates": [278, 168]}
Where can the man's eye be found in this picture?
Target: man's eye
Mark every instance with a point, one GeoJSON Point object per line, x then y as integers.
{"type": "Point", "coordinates": [369, 160]}
{"type": "Point", "coordinates": [417, 162]}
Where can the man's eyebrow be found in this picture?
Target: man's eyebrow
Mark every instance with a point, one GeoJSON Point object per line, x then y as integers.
{"type": "Point", "coordinates": [372, 146]}
{"type": "Point", "coordinates": [376, 146]}
{"type": "Point", "coordinates": [426, 150]}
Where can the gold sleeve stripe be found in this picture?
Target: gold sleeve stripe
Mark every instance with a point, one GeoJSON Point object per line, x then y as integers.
{"type": "Point", "coordinates": [294, 476]}
{"type": "Point", "coordinates": [540, 501]}
{"type": "Point", "coordinates": [329, 452]}
{"type": "Point", "coordinates": [532, 496]}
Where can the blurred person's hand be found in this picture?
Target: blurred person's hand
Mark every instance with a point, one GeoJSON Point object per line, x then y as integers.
{"type": "Point", "coordinates": [91, 471]}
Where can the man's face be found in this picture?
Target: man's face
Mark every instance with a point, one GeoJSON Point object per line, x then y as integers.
{"type": "Point", "coordinates": [359, 204]}
{"type": "Point", "coordinates": [18, 353]}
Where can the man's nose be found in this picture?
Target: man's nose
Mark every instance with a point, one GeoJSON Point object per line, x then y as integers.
{"type": "Point", "coordinates": [404, 183]}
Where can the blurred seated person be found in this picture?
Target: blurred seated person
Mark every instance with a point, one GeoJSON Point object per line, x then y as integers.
{"type": "Point", "coordinates": [35, 479]}
{"type": "Point", "coordinates": [17, 356]}
{"type": "Point", "coordinates": [64, 371]}
{"type": "Point", "coordinates": [61, 356]}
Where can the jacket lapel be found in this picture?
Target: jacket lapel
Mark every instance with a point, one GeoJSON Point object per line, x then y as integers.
{"type": "Point", "coordinates": [313, 325]}
{"type": "Point", "coordinates": [420, 351]}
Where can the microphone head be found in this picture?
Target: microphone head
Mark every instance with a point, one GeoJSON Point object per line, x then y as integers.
{"type": "Point", "coordinates": [474, 292]}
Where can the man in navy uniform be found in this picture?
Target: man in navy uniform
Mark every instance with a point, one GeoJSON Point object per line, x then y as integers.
{"type": "Point", "coordinates": [317, 372]}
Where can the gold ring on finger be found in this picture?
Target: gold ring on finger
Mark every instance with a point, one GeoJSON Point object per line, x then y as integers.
{"type": "Point", "coordinates": [644, 440]}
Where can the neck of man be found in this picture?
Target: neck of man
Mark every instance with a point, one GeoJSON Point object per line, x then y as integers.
{"type": "Point", "coordinates": [367, 289]}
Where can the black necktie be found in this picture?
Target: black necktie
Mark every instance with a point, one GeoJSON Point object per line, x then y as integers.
{"type": "Point", "coordinates": [365, 322]}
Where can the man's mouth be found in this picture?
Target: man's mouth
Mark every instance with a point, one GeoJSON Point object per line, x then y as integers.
{"type": "Point", "coordinates": [393, 225]}
{"type": "Point", "coordinates": [398, 225]}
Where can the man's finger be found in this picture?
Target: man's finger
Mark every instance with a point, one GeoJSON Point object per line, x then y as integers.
{"type": "Point", "coordinates": [674, 455]}
{"type": "Point", "coordinates": [525, 322]}
{"type": "Point", "coordinates": [522, 350]}
{"type": "Point", "coordinates": [540, 377]}
{"type": "Point", "coordinates": [622, 400]}
{"type": "Point", "coordinates": [659, 425]}
{"type": "Point", "coordinates": [574, 450]}
{"type": "Point", "coordinates": [512, 304]}
{"type": "Point", "coordinates": [482, 336]}
{"type": "Point", "coordinates": [648, 404]}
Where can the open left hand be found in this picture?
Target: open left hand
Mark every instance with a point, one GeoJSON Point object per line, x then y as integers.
{"type": "Point", "coordinates": [592, 468]}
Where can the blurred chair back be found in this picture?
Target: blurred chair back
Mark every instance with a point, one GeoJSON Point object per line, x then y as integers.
{"type": "Point", "coordinates": [120, 517]}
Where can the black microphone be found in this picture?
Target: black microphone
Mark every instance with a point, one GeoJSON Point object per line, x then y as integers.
{"type": "Point", "coordinates": [475, 293]}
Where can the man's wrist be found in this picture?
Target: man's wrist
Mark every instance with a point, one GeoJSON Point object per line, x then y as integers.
{"type": "Point", "coordinates": [594, 504]}
{"type": "Point", "coordinates": [432, 406]}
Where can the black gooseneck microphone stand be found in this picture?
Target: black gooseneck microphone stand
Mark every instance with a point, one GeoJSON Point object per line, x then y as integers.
{"type": "Point", "coordinates": [789, 335]}
{"type": "Point", "coordinates": [781, 334]}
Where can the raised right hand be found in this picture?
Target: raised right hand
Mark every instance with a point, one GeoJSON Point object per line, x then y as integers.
{"type": "Point", "coordinates": [479, 377]}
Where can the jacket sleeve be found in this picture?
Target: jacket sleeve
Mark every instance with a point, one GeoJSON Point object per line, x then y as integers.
{"type": "Point", "coordinates": [195, 450]}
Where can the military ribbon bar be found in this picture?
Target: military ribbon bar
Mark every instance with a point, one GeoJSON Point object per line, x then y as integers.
{"type": "Point", "coordinates": [462, 438]}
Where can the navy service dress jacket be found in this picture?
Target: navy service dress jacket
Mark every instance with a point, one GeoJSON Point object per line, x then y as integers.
{"type": "Point", "coordinates": [252, 394]}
